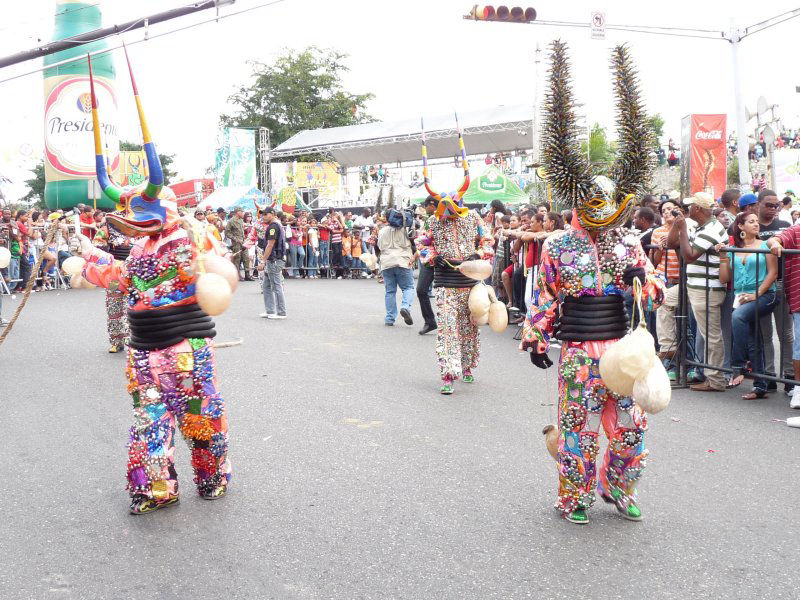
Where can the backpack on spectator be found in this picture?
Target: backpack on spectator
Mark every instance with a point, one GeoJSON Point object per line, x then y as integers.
{"type": "Point", "coordinates": [401, 218]}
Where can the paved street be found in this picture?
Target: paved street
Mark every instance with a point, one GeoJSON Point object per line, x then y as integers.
{"type": "Point", "coordinates": [354, 478]}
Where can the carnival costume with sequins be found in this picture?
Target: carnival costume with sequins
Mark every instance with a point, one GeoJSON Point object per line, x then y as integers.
{"type": "Point", "coordinates": [171, 369]}
{"type": "Point", "coordinates": [456, 235]}
{"type": "Point", "coordinates": [577, 296]}
{"type": "Point", "coordinates": [119, 246]}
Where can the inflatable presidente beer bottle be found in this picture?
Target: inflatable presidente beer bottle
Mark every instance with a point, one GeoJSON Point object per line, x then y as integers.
{"type": "Point", "coordinates": [69, 163]}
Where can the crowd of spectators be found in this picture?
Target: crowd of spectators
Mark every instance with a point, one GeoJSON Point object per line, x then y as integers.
{"type": "Point", "coordinates": [740, 294]}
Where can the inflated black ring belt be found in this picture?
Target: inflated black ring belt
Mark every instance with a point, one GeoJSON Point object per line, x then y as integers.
{"type": "Point", "coordinates": [120, 252]}
{"type": "Point", "coordinates": [591, 318]}
{"type": "Point", "coordinates": [164, 327]}
{"type": "Point", "coordinates": [447, 277]}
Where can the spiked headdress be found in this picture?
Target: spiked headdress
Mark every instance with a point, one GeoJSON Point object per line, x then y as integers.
{"type": "Point", "coordinates": [148, 207]}
{"type": "Point", "coordinates": [447, 205]}
{"type": "Point", "coordinates": [600, 202]}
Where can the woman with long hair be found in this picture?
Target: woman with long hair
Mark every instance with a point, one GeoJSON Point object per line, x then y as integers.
{"type": "Point", "coordinates": [753, 275]}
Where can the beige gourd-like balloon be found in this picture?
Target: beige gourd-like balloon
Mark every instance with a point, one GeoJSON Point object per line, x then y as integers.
{"type": "Point", "coordinates": [213, 293]}
{"type": "Point", "coordinates": [5, 257]}
{"type": "Point", "coordinates": [476, 269]}
{"type": "Point", "coordinates": [652, 392]}
{"type": "Point", "coordinates": [551, 440]}
{"type": "Point", "coordinates": [636, 353]}
{"type": "Point", "coordinates": [615, 378]}
{"type": "Point", "coordinates": [79, 282]}
{"type": "Point", "coordinates": [73, 266]}
{"type": "Point", "coordinates": [370, 260]}
{"type": "Point", "coordinates": [479, 304]}
{"type": "Point", "coordinates": [214, 263]}
{"type": "Point", "coordinates": [498, 317]}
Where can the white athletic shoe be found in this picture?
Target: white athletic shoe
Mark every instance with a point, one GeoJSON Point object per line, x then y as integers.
{"type": "Point", "coordinates": [795, 401]}
{"type": "Point", "coordinates": [267, 315]}
{"type": "Point", "coordinates": [276, 316]}
{"type": "Point", "coordinates": [793, 422]}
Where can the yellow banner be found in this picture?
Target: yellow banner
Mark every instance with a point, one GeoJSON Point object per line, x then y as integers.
{"type": "Point", "coordinates": [132, 168]}
{"type": "Point", "coordinates": [315, 175]}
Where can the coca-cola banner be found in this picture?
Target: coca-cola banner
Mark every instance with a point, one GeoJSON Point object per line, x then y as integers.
{"type": "Point", "coordinates": [708, 169]}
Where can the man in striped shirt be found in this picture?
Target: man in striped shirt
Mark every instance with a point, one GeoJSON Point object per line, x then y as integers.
{"type": "Point", "coordinates": [706, 292]}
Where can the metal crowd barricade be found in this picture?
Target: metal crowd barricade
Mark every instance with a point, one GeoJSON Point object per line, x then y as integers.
{"type": "Point", "coordinates": [686, 361]}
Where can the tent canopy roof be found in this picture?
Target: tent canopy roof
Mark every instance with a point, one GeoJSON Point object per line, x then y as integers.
{"type": "Point", "coordinates": [499, 129]}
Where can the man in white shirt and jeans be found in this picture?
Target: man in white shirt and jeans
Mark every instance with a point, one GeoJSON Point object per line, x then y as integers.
{"type": "Point", "coordinates": [397, 255]}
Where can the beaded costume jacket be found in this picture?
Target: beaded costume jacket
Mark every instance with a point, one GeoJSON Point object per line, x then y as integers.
{"type": "Point", "coordinates": [572, 264]}
{"type": "Point", "coordinates": [455, 239]}
{"type": "Point", "coordinates": [158, 273]}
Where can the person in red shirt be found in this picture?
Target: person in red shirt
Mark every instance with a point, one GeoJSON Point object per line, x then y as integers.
{"type": "Point", "coordinates": [87, 219]}
{"type": "Point", "coordinates": [23, 228]}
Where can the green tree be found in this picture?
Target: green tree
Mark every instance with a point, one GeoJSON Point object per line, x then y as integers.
{"type": "Point", "coordinates": [299, 90]}
{"type": "Point", "coordinates": [656, 123]}
{"type": "Point", "coordinates": [601, 152]}
{"type": "Point", "coordinates": [166, 159]}
{"type": "Point", "coordinates": [733, 172]}
{"type": "Point", "coordinates": [36, 183]}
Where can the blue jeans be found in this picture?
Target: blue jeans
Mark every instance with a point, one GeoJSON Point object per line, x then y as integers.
{"type": "Point", "coordinates": [297, 260]}
{"type": "Point", "coordinates": [13, 273]}
{"type": "Point", "coordinates": [392, 279]}
{"type": "Point", "coordinates": [324, 246]}
{"type": "Point", "coordinates": [272, 288]}
{"type": "Point", "coordinates": [311, 263]}
{"type": "Point", "coordinates": [745, 345]}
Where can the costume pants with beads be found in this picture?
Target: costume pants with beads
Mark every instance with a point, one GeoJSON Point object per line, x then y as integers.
{"type": "Point", "coordinates": [584, 404]}
{"type": "Point", "coordinates": [169, 387]}
{"type": "Point", "coordinates": [117, 323]}
{"type": "Point", "coordinates": [458, 346]}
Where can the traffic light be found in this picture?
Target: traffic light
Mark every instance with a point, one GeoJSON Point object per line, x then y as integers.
{"type": "Point", "coordinates": [515, 14]}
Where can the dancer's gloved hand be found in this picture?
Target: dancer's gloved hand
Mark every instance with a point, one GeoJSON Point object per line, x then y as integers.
{"type": "Point", "coordinates": [631, 272]}
{"type": "Point", "coordinates": [440, 262]}
{"type": "Point", "coordinates": [80, 245]}
{"type": "Point", "coordinates": [541, 360]}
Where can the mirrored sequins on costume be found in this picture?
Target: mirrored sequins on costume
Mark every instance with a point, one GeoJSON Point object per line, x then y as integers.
{"type": "Point", "coordinates": [574, 265]}
{"type": "Point", "coordinates": [584, 404]}
{"type": "Point", "coordinates": [176, 387]}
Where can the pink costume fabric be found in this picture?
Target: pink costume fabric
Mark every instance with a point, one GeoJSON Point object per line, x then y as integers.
{"type": "Point", "coordinates": [572, 264]}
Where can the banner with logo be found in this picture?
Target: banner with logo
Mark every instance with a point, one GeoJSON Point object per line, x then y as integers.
{"type": "Point", "coordinates": [708, 166]}
{"type": "Point", "coordinates": [236, 158]}
{"type": "Point", "coordinates": [132, 168]}
{"type": "Point", "coordinates": [317, 175]}
{"type": "Point", "coordinates": [68, 130]}
{"type": "Point", "coordinates": [786, 162]}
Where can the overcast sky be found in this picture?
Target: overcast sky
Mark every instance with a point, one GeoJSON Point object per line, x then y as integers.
{"type": "Point", "coordinates": [416, 56]}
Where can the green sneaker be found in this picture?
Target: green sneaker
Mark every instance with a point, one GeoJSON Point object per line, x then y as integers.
{"type": "Point", "coordinates": [630, 512]}
{"type": "Point", "coordinates": [578, 516]}
{"type": "Point", "coordinates": [446, 389]}
{"type": "Point", "coordinates": [468, 377]}
{"type": "Point", "coordinates": [672, 374]}
{"type": "Point", "coordinates": [142, 504]}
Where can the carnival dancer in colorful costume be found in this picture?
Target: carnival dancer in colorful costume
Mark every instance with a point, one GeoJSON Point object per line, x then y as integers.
{"type": "Point", "coordinates": [171, 367]}
{"type": "Point", "coordinates": [578, 294]}
{"type": "Point", "coordinates": [456, 236]}
{"type": "Point", "coordinates": [110, 239]}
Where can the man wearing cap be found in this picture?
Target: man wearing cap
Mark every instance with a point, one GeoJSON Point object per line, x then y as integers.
{"type": "Point", "coordinates": [274, 248]}
{"type": "Point", "coordinates": [702, 281]}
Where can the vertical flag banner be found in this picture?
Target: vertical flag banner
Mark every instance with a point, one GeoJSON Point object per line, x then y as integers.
{"type": "Point", "coordinates": [708, 168]}
{"type": "Point", "coordinates": [235, 163]}
{"type": "Point", "coordinates": [786, 163]}
{"type": "Point", "coordinates": [686, 147]}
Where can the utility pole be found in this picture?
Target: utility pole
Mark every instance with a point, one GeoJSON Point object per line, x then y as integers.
{"type": "Point", "coordinates": [742, 146]}
{"type": "Point", "coordinates": [537, 59]}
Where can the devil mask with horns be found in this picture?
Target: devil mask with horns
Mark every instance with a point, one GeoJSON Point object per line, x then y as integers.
{"type": "Point", "coordinates": [600, 202]}
{"type": "Point", "coordinates": [146, 208]}
{"type": "Point", "coordinates": [448, 206]}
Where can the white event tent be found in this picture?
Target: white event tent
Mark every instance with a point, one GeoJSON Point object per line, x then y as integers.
{"type": "Point", "coordinates": [499, 129]}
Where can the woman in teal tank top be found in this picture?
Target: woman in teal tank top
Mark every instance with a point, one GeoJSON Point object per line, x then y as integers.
{"type": "Point", "coordinates": [753, 276]}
